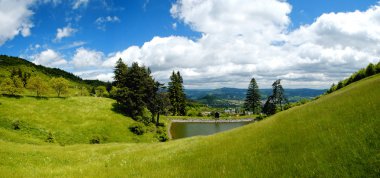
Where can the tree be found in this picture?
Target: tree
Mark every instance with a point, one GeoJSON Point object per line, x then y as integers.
{"type": "Point", "coordinates": [120, 72]}
{"type": "Point", "coordinates": [60, 85]}
{"type": "Point", "coordinates": [36, 83]}
{"type": "Point", "coordinates": [159, 102]}
{"type": "Point", "coordinates": [252, 100]}
{"type": "Point", "coordinates": [101, 90]}
{"type": "Point", "coordinates": [11, 86]}
{"type": "Point", "coordinates": [370, 70]}
{"type": "Point", "coordinates": [177, 95]}
{"type": "Point", "coordinates": [278, 94]}
{"type": "Point", "coordinates": [269, 106]}
{"type": "Point", "coordinates": [135, 86]}
{"type": "Point", "coordinates": [378, 68]}
{"type": "Point", "coordinates": [277, 99]}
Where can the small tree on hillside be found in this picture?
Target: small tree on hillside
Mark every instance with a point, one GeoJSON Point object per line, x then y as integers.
{"type": "Point", "coordinates": [252, 100]}
{"type": "Point", "coordinates": [38, 85]}
{"type": "Point", "coordinates": [101, 91]}
{"type": "Point", "coordinates": [60, 85]}
{"type": "Point", "coordinates": [278, 95]}
{"type": "Point", "coordinates": [11, 86]}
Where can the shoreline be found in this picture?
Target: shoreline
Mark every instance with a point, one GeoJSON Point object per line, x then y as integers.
{"type": "Point", "coordinates": [203, 121]}
{"type": "Point", "coordinates": [212, 121]}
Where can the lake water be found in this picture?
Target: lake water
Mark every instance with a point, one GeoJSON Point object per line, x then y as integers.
{"type": "Point", "coordinates": [188, 129]}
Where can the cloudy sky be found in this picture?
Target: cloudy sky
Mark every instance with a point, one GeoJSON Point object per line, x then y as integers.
{"type": "Point", "coordinates": [213, 43]}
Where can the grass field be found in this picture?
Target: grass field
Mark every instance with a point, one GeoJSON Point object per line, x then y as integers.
{"type": "Point", "coordinates": [334, 136]}
{"type": "Point", "coordinates": [70, 120]}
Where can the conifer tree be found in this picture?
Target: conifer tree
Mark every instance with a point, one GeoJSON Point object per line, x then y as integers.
{"type": "Point", "coordinates": [177, 95]}
{"type": "Point", "coordinates": [252, 100]}
{"type": "Point", "coordinates": [120, 73]}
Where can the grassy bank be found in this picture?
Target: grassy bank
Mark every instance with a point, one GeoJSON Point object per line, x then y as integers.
{"type": "Point", "coordinates": [70, 120]}
{"type": "Point", "coordinates": [334, 136]}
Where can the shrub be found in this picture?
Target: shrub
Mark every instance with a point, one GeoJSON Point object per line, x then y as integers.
{"type": "Point", "coordinates": [137, 128]}
{"type": "Point", "coordinates": [261, 117]}
{"type": "Point", "coordinates": [163, 138]}
{"type": "Point", "coordinates": [95, 139]}
{"type": "Point", "coordinates": [16, 125]}
{"type": "Point", "coordinates": [50, 138]}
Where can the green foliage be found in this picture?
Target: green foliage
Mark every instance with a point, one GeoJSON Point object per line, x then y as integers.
{"type": "Point", "coordinates": [120, 72]}
{"type": "Point", "coordinates": [101, 91]}
{"type": "Point", "coordinates": [135, 88]}
{"type": "Point", "coordinates": [253, 98]}
{"type": "Point", "coordinates": [60, 85]}
{"type": "Point", "coordinates": [370, 70]}
{"type": "Point", "coordinates": [11, 86]}
{"type": "Point", "coordinates": [177, 96]}
{"type": "Point", "coordinates": [38, 85]}
{"type": "Point", "coordinates": [276, 100]}
{"type": "Point", "coordinates": [138, 128]}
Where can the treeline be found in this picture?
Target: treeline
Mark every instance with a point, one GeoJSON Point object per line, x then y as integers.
{"type": "Point", "coordinates": [143, 98]}
{"type": "Point", "coordinates": [370, 70]}
{"type": "Point", "coordinates": [8, 61]}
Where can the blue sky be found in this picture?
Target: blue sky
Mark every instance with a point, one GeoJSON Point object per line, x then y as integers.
{"type": "Point", "coordinates": [214, 43]}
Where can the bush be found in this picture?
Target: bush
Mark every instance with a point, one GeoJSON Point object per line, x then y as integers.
{"type": "Point", "coordinates": [50, 138]}
{"type": "Point", "coordinates": [261, 117]}
{"type": "Point", "coordinates": [16, 125]}
{"type": "Point", "coordinates": [163, 138]}
{"type": "Point", "coordinates": [137, 128]}
{"type": "Point", "coordinates": [95, 139]}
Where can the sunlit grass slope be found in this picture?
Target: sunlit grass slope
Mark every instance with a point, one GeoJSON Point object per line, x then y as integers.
{"type": "Point", "coordinates": [70, 121]}
{"type": "Point", "coordinates": [334, 136]}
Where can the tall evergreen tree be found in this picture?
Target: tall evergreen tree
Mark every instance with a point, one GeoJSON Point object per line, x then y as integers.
{"type": "Point", "coordinates": [252, 100]}
{"type": "Point", "coordinates": [135, 86]}
{"type": "Point", "coordinates": [120, 73]}
{"type": "Point", "coordinates": [177, 95]}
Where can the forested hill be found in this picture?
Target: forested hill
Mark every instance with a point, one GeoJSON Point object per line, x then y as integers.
{"type": "Point", "coordinates": [9, 63]}
{"type": "Point", "coordinates": [239, 94]}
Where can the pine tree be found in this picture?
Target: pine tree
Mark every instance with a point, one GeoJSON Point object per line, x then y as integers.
{"type": "Point", "coordinates": [120, 72]}
{"type": "Point", "coordinates": [252, 100]}
{"type": "Point", "coordinates": [177, 95]}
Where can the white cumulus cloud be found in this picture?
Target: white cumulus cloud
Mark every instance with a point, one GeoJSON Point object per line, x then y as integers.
{"type": "Point", "coordinates": [85, 58]}
{"type": "Point", "coordinates": [15, 19]}
{"type": "Point", "coordinates": [245, 38]}
{"type": "Point", "coordinates": [49, 58]}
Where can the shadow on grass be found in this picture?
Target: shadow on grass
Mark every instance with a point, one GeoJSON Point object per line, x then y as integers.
{"type": "Point", "coordinates": [39, 97]}
{"type": "Point", "coordinates": [12, 96]}
{"type": "Point", "coordinates": [60, 97]}
{"type": "Point", "coordinates": [118, 108]}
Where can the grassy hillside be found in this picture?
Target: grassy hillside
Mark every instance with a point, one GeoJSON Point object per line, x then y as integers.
{"type": "Point", "coordinates": [9, 64]}
{"type": "Point", "coordinates": [70, 121]}
{"type": "Point", "coordinates": [334, 136]}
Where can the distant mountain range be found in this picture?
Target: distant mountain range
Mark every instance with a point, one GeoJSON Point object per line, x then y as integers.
{"type": "Point", "coordinates": [228, 97]}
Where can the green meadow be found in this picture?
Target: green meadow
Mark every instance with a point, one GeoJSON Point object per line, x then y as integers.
{"type": "Point", "coordinates": [336, 135]}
